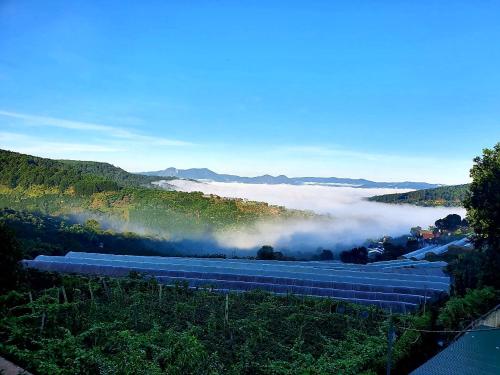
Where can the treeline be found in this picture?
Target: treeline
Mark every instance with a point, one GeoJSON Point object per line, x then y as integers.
{"type": "Point", "coordinates": [40, 234]}
{"type": "Point", "coordinates": [441, 196]}
{"type": "Point", "coordinates": [20, 170]}
{"type": "Point", "coordinates": [65, 187]}
{"type": "Point", "coordinates": [112, 173]}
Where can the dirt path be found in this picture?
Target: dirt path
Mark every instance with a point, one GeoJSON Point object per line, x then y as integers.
{"type": "Point", "coordinates": [8, 368]}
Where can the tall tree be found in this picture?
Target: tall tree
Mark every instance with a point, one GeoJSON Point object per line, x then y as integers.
{"type": "Point", "coordinates": [265, 253]}
{"type": "Point", "coordinates": [483, 201]}
{"type": "Point", "coordinates": [450, 222]}
{"type": "Point", "coordinates": [483, 211]}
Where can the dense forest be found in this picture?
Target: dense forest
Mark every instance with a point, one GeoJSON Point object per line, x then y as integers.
{"type": "Point", "coordinates": [20, 170]}
{"type": "Point", "coordinates": [54, 235]}
{"type": "Point", "coordinates": [441, 196]}
{"type": "Point", "coordinates": [120, 200]}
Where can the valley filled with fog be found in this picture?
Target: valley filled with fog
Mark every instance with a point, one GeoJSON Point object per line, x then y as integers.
{"type": "Point", "coordinates": [350, 218]}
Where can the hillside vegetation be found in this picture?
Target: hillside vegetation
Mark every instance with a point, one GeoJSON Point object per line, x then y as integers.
{"type": "Point", "coordinates": [52, 235]}
{"type": "Point", "coordinates": [449, 196]}
{"type": "Point", "coordinates": [20, 170]}
{"type": "Point", "coordinates": [120, 199]}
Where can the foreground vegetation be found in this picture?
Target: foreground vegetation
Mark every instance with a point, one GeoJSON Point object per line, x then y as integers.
{"type": "Point", "coordinates": [132, 326]}
{"type": "Point", "coordinates": [53, 324]}
{"type": "Point", "coordinates": [450, 196]}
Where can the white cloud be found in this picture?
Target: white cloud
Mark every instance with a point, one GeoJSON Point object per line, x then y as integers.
{"type": "Point", "coordinates": [353, 219]}
{"type": "Point", "coordinates": [112, 131]}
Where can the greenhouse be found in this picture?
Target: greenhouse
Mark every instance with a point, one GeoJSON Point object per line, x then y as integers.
{"type": "Point", "coordinates": [436, 249]}
{"type": "Point", "coordinates": [401, 285]}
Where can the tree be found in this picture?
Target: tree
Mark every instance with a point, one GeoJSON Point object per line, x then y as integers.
{"type": "Point", "coordinates": [358, 255]}
{"type": "Point", "coordinates": [451, 222]}
{"type": "Point", "coordinates": [392, 251]}
{"type": "Point", "coordinates": [10, 255]}
{"type": "Point", "coordinates": [483, 213]}
{"type": "Point", "coordinates": [93, 225]}
{"type": "Point", "coordinates": [460, 311]}
{"type": "Point", "coordinates": [415, 231]}
{"type": "Point", "coordinates": [483, 201]}
{"type": "Point", "coordinates": [326, 255]}
{"type": "Point", "coordinates": [412, 245]}
{"type": "Point", "coordinates": [265, 253]}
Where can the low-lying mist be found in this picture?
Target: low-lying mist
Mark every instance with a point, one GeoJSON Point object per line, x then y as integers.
{"type": "Point", "coordinates": [351, 219]}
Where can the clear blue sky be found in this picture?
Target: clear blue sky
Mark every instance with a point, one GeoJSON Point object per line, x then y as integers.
{"type": "Point", "coordinates": [386, 90]}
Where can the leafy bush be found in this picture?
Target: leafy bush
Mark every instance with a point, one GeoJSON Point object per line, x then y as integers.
{"type": "Point", "coordinates": [460, 311]}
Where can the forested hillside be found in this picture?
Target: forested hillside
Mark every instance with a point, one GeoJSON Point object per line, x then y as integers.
{"type": "Point", "coordinates": [441, 196]}
{"type": "Point", "coordinates": [40, 234]}
{"type": "Point", "coordinates": [111, 172]}
{"type": "Point", "coordinates": [26, 170]}
{"type": "Point", "coordinates": [118, 199]}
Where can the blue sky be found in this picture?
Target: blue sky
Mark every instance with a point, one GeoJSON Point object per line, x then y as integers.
{"type": "Point", "coordinates": [387, 90]}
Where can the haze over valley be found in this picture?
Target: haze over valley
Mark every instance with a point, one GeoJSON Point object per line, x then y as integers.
{"type": "Point", "coordinates": [351, 219]}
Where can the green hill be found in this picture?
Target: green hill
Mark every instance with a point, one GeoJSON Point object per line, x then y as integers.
{"type": "Point", "coordinates": [111, 172]}
{"type": "Point", "coordinates": [26, 170]}
{"type": "Point", "coordinates": [442, 196]}
{"type": "Point", "coordinates": [121, 200]}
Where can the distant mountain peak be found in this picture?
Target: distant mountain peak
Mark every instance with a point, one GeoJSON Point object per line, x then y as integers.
{"type": "Point", "coordinates": [208, 174]}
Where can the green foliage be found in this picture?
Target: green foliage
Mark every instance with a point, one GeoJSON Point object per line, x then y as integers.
{"type": "Point", "coordinates": [326, 255]}
{"type": "Point", "coordinates": [414, 346]}
{"type": "Point", "coordinates": [474, 269]}
{"type": "Point", "coordinates": [412, 244]}
{"type": "Point", "coordinates": [77, 325]}
{"type": "Point", "coordinates": [10, 255]}
{"type": "Point", "coordinates": [49, 235]}
{"type": "Point", "coordinates": [358, 255]}
{"type": "Point", "coordinates": [480, 268]}
{"type": "Point", "coordinates": [20, 170]}
{"type": "Point", "coordinates": [483, 202]}
{"type": "Point", "coordinates": [89, 185]}
{"type": "Point", "coordinates": [460, 311]}
{"type": "Point", "coordinates": [451, 222]}
{"type": "Point", "coordinates": [100, 190]}
{"type": "Point", "coordinates": [441, 196]}
{"type": "Point", "coordinates": [265, 253]}
{"type": "Point", "coordinates": [393, 251]}
{"type": "Point", "coordinates": [111, 173]}
{"type": "Point", "coordinates": [25, 170]}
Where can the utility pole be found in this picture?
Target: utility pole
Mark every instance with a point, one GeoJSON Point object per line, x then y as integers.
{"type": "Point", "coordinates": [226, 311]}
{"type": "Point", "coordinates": [390, 340]}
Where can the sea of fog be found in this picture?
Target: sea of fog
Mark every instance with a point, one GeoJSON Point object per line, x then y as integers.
{"type": "Point", "coordinates": [353, 219]}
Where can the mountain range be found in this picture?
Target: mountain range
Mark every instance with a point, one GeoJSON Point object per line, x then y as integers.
{"type": "Point", "coordinates": [209, 175]}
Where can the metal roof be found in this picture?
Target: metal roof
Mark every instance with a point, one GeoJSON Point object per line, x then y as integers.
{"type": "Point", "coordinates": [475, 353]}
{"type": "Point", "coordinates": [401, 285]}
